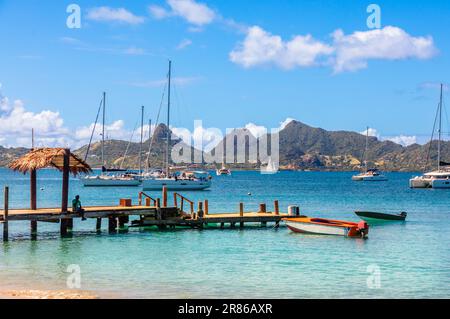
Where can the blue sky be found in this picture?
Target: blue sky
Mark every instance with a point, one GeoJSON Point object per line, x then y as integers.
{"type": "Point", "coordinates": [235, 62]}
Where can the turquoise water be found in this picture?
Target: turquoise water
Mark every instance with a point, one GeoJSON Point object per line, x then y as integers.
{"type": "Point", "coordinates": [413, 257]}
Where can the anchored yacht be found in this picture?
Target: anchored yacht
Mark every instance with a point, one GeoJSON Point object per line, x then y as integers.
{"type": "Point", "coordinates": [441, 177]}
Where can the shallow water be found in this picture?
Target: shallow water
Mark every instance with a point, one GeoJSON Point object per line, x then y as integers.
{"type": "Point", "coordinates": [413, 257]}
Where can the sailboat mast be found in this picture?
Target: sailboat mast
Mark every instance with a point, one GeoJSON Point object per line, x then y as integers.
{"type": "Point", "coordinates": [149, 143]}
{"type": "Point", "coordinates": [142, 137]}
{"type": "Point", "coordinates": [440, 130]}
{"type": "Point", "coordinates": [103, 129]}
{"type": "Point", "coordinates": [367, 148]}
{"type": "Point", "coordinates": [168, 120]}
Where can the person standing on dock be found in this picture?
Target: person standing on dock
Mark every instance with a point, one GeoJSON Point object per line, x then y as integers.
{"type": "Point", "coordinates": [77, 208]}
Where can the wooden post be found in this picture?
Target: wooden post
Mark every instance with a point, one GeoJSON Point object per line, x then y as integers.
{"type": "Point", "coordinates": [147, 202]}
{"type": "Point", "coordinates": [206, 210]}
{"type": "Point", "coordinates": [65, 183]}
{"type": "Point", "coordinates": [140, 199]}
{"type": "Point", "coordinates": [262, 208]}
{"type": "Point", "coordinates": [70, 224]}
{"type": "Point", "coordinates": [33, 187]}
{"type": "Point", "coordinates": [5, 214]}
{"type": "Point", "coordinates": [33, 229]}
{"type": "Point", "coordinates": [158, 203]}
{"type": "Point", "coordinates": [241, 209]}
{"type": "Point", "coordinates": [277, 207]}
{"type": "Point", "coordinates": [164, 196]}
{"type": "Point", "coordinates": [65, 192]}
{"type": "Point", "coordinates": [175, 202]}
{"type": "Point", "coordinates": [200, 210]}
{"type": "Point", "coordinates": [98, 227]}
{"type": "Point", "coordinates": [63, 227]}
{"type": "Point", "coordinates": [112, 224]}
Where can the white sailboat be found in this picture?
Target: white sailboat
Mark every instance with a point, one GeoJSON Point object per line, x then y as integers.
{"type": "Point", "coordinates": [183, 181]}
{"type": "Point", "coordinates": [270, 168]}
{"type": "Point", "coordinates": [441, 177]}
{"type": "Point", "coordinates": [372, 174]}
{"type": "Point", "coordinates": [108, 177]}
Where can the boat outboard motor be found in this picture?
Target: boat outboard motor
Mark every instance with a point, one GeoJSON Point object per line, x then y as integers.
{"type": "Point", "coordinates": [363, 228]}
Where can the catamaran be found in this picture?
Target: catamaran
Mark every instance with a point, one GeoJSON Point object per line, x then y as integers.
{"type": "Point", "coordinates": [441, 177]}
{"type": "Point", "coordinates": [176, 181]}
{"type": "Point", "coordinates": [370, 174]}
{"type": "Point", "coordinates": [108, 177]}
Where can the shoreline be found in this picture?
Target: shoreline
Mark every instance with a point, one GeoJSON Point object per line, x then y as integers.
{"type": "Point", "coordinates": [47, 294]}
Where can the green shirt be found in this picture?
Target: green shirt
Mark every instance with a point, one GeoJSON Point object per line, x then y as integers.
{"type": "Point", "coordinates": [76, 205]}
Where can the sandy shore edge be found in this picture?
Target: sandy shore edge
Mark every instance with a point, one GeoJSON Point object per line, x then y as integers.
{"type": "Point", "coordinates": [46, 294]}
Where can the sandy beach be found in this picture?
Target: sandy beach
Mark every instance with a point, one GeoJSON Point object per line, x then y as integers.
{"type": "Point", "coordinates": [46, 294]}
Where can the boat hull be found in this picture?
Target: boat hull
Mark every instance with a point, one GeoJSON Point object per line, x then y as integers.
{"type": "Point", "coordinates": [100, 182]}
{"type": "Point", "coordinates": [158, 184]}
{"type": "Point", "coordinates": [440, 183]}
{"type": "Point", "coordinates": [373, 216]}
{"type": "Point", "coordinates": [420, 183]}
{"type": "Point", "coordinates": [317, 226]}
{"type": "Point", "coordinates": [379, 178]}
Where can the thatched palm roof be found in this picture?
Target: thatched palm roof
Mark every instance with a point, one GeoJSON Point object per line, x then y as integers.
{"type": "Point", "coordinates": [49, 157]}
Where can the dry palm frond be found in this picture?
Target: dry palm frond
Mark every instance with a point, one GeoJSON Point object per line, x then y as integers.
{"type": "Point", "coordinates": [49, 157]}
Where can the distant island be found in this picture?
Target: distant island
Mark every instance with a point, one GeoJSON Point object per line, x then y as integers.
{"type": "Point", "coordinates": [302, 147]}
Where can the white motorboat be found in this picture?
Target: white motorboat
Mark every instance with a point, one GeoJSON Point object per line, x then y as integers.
{"type": "Point", "coordinates": [441, 177]}
{"type": "Point", "coordinates": [223, 171]}
{"type": "Point", "coordinates": [370, 175]}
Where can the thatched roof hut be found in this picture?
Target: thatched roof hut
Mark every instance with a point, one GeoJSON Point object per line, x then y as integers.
{"type": "Point", "coordinates": [49, 157]}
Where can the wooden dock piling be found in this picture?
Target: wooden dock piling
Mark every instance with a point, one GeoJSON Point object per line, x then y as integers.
{"type": "Point", "coordinates": [33, 229]}
{"type": "Point", "coordinates": [5, 214]}
{"type": "Point", "coordinates": [276, 207]}
{"type": "Point", "coordinates": [112, 224]}
{"type": "Point", "coordinates": [206, 210]}
{"type": "Point", "coordinates": [164, 195]}
{"type": "Point", "coordinates": [262, 208]}
{"type": "Point", "coordinates": [241, 214]}
{"type": "Point", "coordinates": [98, 226]}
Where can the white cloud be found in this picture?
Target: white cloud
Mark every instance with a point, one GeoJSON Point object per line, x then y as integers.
{"type": "Point", "coordinates": [16, 124]}
{"type": "Point", "coordinates": [195, 13]}
{"type": "Point", "coordinates": [182, 81]}
{"type": "Point", "coordinates": [403, 140]}
{"type": "Point", "coordinates": [262, 48]}
{"type": "Point", "coordinates": [434, 85]}
{"type": "Point", "coordinates": [390, 43]}
{"type": "Point", "coordinates": [256, 130]}
{"type": "Point", "coordinates": [345, 53]}
{"type": "Point", "coordinates": [158, 12]}
{"type": "Point", "coordinates": [286, 122]}
{"type": "Point", "coordinates": [372, 132]}
{"type": "Point", "coordinates": [134, 51]}
{"type": "Point", "coordinates": [184, 44]}
{"type": "Point", "coordinates": [107, 14]}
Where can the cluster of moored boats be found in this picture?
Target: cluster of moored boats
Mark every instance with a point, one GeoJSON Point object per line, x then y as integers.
{"type": "Point", "coordinates": [439, 178]}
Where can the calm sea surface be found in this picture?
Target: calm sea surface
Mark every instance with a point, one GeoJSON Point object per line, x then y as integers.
{"type": "Point", "coordinates": [413, 258]}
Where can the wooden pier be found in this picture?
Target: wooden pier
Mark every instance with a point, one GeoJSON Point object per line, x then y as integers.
{"type": "Point", "coordinates": [148, 212]}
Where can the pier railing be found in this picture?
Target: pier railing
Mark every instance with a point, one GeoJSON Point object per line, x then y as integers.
{"type": "Point", "coordinates": [182, 199]}
{"type": "Point", "coordinates": [148, 199]}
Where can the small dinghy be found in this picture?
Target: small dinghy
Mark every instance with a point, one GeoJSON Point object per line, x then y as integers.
{"type": "Point", "coordinates": [321, 226]}
{"type": "Point", "coordinates": [374, 216]}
